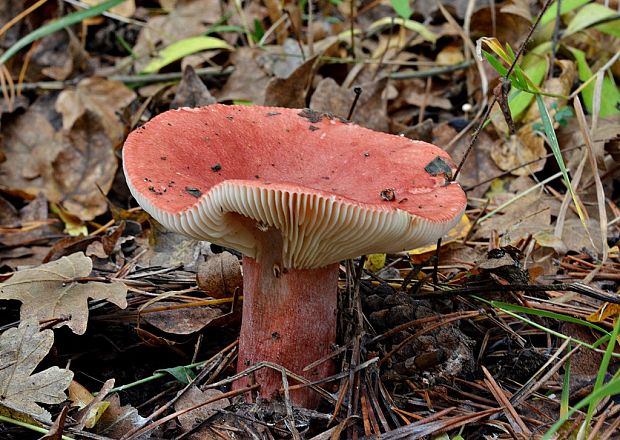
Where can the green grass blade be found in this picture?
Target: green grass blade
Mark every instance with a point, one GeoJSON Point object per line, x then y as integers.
{"type": "Point", "coordinates": [564, 400]}
{"type": "Point", "coordinates": [609, 389]}
{"type": "Point", "coordinates": [546, 314]}
{"type": "Point", "coordinates": [602, 371]}
{"type": "Point", "coordinates": [557, 154]}
{"type": "Point", "coordinates": [57, 25]}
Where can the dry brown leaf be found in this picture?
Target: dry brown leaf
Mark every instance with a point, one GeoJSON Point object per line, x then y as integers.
{"type": "Point", "coordinates": [569, 137]}
{"type": "Point", "coordinates": [509, 27]}
{"type": "Point", "coordinates": [21, 350]}
{"type": "Point", "coordinates": [50, 291]}
{"type": "Point", "coordinates": [193, 396]}
{"type": "Point", "coordinates": [90, 407]}
{"type": "Point", "coordinates": [415, 94]}
{"type": "Point", "coordinates": [219, 275]}
{"type": "Point", "coordinates": [182, 321]}
{"type": "Point", "coordinates": [291, 91]}
{"type": "Point", "coordinates": [458, 7]}
{"type": "Point", "coordinates": [250, 77]}
{"type": "Point", "coordinates": [102, 97]}
{"type": "Point", "coordinates": [119, 420]}
{"type": "Point", "coordinates": [528, 214]}
{"type": "Point", "coordinates": [56, 56]}
{"type": "Point", "coordinates": [524, 146]}
{"type": "Point", "coordinates": [8, 10]}
{"type": "Point", "coordinates": [29, 222]}
{"type": "Point", "coordinates": [450, 56]}
{"type": "Point", "coordinates": [191, 91]}
{"type": "Point", "coordinates": [517, 7]}
{"type": "Point", "coordinates": [371, 108]}
{"type": "Point", "coordinates": [58, 427]}
{"type": "Point", "coordinates": [479, 166]}
{"type": "Point", "coordinates": [71, 168]}
{"type": "Point", "coordinates": [167, 249]}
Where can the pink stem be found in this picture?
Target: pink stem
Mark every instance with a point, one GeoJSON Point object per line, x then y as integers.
{"type": "Point", "coordinates": [289, 318]}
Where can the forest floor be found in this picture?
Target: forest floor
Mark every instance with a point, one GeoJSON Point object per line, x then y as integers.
{"type": "Point", "coordinates": [112, 327]}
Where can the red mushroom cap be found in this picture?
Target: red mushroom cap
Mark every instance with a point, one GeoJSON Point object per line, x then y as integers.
{"type": "Point", "coordinates": [335, 190]}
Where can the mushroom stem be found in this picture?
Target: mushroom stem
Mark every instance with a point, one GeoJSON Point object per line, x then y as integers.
{"type": "Point", "coordinates": [289, 318]}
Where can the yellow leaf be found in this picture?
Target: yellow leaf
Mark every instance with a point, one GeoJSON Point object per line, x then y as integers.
{"type": "Point", "coordinates": [374, 262]}
{"type": "Point", "coordinates": [457, 233]}
{"type": "Point", "coordinates": [79, 395]}
{"type": "Point", "coordinates": [73, 225]}
{"type": "Point", "coordinates": [605, 311]}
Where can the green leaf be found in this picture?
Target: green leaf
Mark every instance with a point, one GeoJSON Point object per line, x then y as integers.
{"type": "Point", "coordinates": [412, 25]}
{"type": "Point", "coordinates": [611, 102]}
{"type": "Point", "coordinates": [535, 68]}
{"type": "Point", "coordinates": [567, 6]}
{"type": "Point", "coordinates": [587, 17]}
{"type": "Point", "coordinates": [495, 63]}
{"type": "Point", "coordinates": [402, 8]}
{"type": "Point", "coordinates": [182, 48]}
{"type": "Point", "coordinates": [181, 373]}
{"type": "Point", "coordinates": [259, 30]}
{"type": "Point", "coordinates": [610, 28]}
{"type": "Point", "coordinates": [57, 25]}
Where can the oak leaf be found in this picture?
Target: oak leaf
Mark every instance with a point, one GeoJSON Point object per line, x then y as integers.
{"type": "Point", "coordinates": [21, 350]}
{"type": "Point", "coordinates": [54, 291]}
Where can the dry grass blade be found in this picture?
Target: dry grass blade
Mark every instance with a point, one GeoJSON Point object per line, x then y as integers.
{"type": "Point", "coordinates": [600, 192]}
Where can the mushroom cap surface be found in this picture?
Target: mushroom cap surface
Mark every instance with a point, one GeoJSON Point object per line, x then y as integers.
{"type": "Point", "coordinates": [333, 189]}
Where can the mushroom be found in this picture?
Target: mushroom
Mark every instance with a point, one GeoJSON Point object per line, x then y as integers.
{"type": "Point", "coordinates": [294, 191]}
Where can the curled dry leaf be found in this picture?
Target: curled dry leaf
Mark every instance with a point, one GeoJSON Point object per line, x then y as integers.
{"type": "Point", "coordinates": [90, 407]}
{"type": "Point", "coordinates": [118, 420]}
{"type": "Point", "coordinates": [180, 321]}
{"type": "Point", "coordinates": [103, 97]}
{"type": "Point", "coordinates": [167, 249]}
{"type": "Point", "coordinates": [191, 91]}
{"type": "Point", "coordinates": [21, 350]}
{"type": "Point", "coordinates": [192, 397]}
{"type": "Point", "coordinates": [291, 91]}
{"type": "Point", "coordinates": [219, 275]}
{"type": "Point", "coordinates": [510, 25]}
{"type": "Point", "coordinates": [371, 108]}
{"type": "Point", "coordinates": [53, 291]}
{"type": "Point", "coordinates": [70, 167]}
